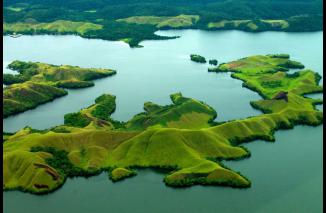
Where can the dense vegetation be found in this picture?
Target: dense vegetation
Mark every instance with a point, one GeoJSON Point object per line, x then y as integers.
{"type": "Point", "coordinates": [197, 58]}
{"type": "Point", "coordinates": [105, 106]}
{"type": "Point", "coordinates": [37, 83]}
{"type": "Point", "coordinates": [73, 84]}
{"type": "Point", "coordinates": [133, 21]}
{"type": "Point", "coordinates": [76, 119]}
{"type": "Point", "coordinates": [59, 160]}
{"type": "Point", "coordinates": [213, 62]}
{"type": "Point", "coordinates": [98, 114]}
{"type": "Point", "coordinates": [161, 137]}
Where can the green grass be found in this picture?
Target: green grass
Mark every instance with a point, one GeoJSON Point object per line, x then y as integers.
{"type": "Point", "coordinates": [56, 27]}
{"type": "Point", "coordinates": [183, 113]}
{"type": "Point", "coordinates": [118, 174]}
{"type": "Point", "coordinates": [177, 138]}
{"type": "Point", "coordinates": [186, 151]}
{"type": "Point", "coordinates": [21, 97]}
{"type": "Point", "coordinates": [74, 84]}
{"type": "Point", "coordinates": [180, 21]}
{"type": "Point", "coordinates": [258, 64]}
{"type": "Point", "coordinates": [267, 75]}
{"type": "Point", "coordinates": [38, 83]}
{"type": "Point", "coordinates": [250, 25]}
{"type": "Point", "coordinates": [268, 85]}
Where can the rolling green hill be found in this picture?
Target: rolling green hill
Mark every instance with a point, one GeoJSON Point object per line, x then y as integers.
{"type": "Point", "coordinates": [185, 113]}
{"type": "Point", "coordinates": [21, 97]}
{"type": "Point", "coordinates": [56, 27]}
{"type": "Point", "coordinates": [187, 146]}
{"type": "Point", "coordinates": [38, 83]}
{"type": "Point", "coordinates": [166, 22]}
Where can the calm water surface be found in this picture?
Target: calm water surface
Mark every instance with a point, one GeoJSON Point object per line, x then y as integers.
{"type": "Point", "coordinates": [286, 175]}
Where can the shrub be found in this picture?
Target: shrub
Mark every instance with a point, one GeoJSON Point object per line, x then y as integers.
{"type": "Point", "coordinates": [213, 62]}
{"type": "Point", "coordinates": [76, 119]}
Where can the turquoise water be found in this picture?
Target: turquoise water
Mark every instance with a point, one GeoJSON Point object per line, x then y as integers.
{"type": "Point", "coordinates": [154, 72]}
{"type": "Point", "coordinates": [286, 175]}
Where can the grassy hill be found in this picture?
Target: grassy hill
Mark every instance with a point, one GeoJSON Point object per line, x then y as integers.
{"type": "Point", "coordinates": [38, 83]}
{"type": "Point", "coordinates": [21, 97]}
{"type": "Point", "coordinates": [188, 148]}
{"type": "Point", "coordinates": [185, 113]}
{"type": "Point", "coordinates": [56, 27]}
{"type": "Point", "coordinates": [251, 25]}
{"type": "Point", "coordinates": [166, 22]}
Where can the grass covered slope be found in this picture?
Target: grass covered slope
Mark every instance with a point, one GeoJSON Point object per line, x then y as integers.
{"type": "Point", "coordinates": [256, 25]}
{"type": "Point", "coordinates": [267, 75]}
{"type": "Point", "coordinates": [56, 27]}
{"type": "Point", "coordinates": [165, 137]}
{"type": "Point", "coordinates": [118, 174]}
{"type": "Point", "coordinates": [95, 116]}
{"type": "Point", "coordinates": [54, 74]}
{"type": "Point", "coordinates": [269, 85]}
{"type": "Point", "coordinates": [190, 154]}
{"type": "Point", "coordinates": [21, 97]}
{"type": "Point", "coordinates": [38, 83]}
{"type": "Point", "coordinates": [164, 22]}
{"type": "Point", "coordinates": [282, 92]}
{"type": "Point", "coordinates": [185, 113]}
{"type": "Point", "coordinates": [258, 64]}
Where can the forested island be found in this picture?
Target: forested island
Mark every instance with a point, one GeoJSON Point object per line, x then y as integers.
{"type": "Point", "coordinates": [133, 21]}
{"type": "Point", "coordinates": [91, 142]}
{"type": "Point", "coordinates": [197, 58]}
{"type": "Point", "coordinates": [37, 83]}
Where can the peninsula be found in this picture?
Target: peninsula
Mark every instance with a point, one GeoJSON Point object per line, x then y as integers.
{"type": "Point", "coordinates": [37, 83]}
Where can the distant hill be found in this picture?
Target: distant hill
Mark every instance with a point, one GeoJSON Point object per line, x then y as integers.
{"type": "Point", "coordinates": [263, 15]}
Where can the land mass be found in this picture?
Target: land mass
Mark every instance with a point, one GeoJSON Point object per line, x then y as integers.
{"type": "Point", "coordinates": [198, 58]}
{"type": "Point", "coordinates": [180, 139]}
{"type": "Point", "coordinates": [134, 21]}
{"type": "Point", "coordinates": [38, 83]}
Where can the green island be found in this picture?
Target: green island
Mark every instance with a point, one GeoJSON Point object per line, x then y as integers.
{"type": "Point", "coordinates": [197, 58]}
{"type": "Point", "coordinates": [180, 139]}
{"type": "Point", "coordinates": [134, 21]}
{"type": "Point", "coordinates": [37, 83]}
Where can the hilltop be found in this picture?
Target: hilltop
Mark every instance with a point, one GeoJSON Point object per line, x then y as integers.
{"type": "Point", "coordinates": [134, 21]}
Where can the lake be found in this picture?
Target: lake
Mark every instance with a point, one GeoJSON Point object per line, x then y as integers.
{"type": "Point", "coordinates": [286, 175]}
